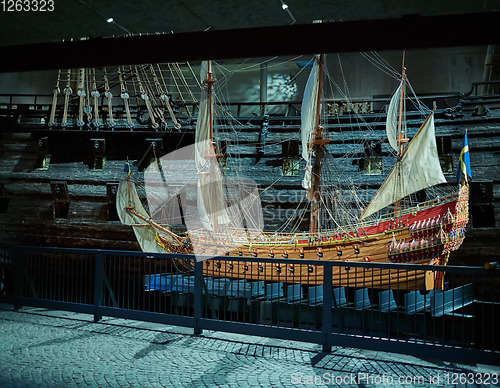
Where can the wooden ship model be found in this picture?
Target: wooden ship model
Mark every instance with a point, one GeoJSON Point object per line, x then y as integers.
{"type": "Point", "coordinates": [424, 234]}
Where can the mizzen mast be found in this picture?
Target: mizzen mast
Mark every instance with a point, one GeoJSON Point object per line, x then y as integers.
{"type": "Point", "coordinates": [401, 140]}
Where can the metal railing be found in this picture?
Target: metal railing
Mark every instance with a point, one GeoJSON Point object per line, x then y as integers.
{"type": "Point", "coordinates": [332, 303]}
{"type": "Point", "coordinates": [489, 88]}
{"type": "Point", "coordinates": [37, 104]}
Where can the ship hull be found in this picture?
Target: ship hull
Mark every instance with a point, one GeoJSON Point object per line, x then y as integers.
{"type": "Point", "coordinates": [422, 235]}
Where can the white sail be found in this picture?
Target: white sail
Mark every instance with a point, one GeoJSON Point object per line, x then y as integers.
{"type": "Point", "coordinates": [210, 199]}
{"type": "Point", "coordinates": [391, 125]}
{"type": "Point", "coordinates": [418, 169]}
{"type": "Point", "coordinates": [308, 121]}
{"type": "Point", "coordinates": [144, 232]}
{"type": "Point", "coordinates": [202, 135]}
{"type": "Point", "coordinates": [156, 189]}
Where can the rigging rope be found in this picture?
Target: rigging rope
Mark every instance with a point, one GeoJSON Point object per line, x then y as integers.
{"type": "Point", "coordinates": [67, 93]}
{"type": "Point", "coordinates": [109, 97]}
{"type": "Point", "coordinates": [125, 97]}
{"type": "Point", "coordinates": [164, 99]}
{"type": "Point", "coordinates": [54, 101]}
{"type": "Point", "coordinates": [147, 101]}
{"type": "Point", "coordinates": [81, 94]}
{"type": "Point", "coordinates": [95, 94]}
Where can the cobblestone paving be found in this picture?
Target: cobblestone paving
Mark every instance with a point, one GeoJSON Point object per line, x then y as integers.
{"type": "Point", "coordinates": [40, 347]}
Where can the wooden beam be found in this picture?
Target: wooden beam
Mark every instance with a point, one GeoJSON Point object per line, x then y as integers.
{"type": "Point", "coordinates": [410, 32]}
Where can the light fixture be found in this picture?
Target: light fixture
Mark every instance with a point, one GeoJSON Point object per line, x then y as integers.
{"type": "Point", "coordinates": [111, 20]}
{"type": "Point", "coordinates": [285, 8]}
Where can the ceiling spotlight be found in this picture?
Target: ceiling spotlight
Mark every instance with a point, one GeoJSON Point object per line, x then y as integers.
{"type": "Point", "coordinates": [111, 20]}
{"type": "Point", "coordinates": [285, 8]}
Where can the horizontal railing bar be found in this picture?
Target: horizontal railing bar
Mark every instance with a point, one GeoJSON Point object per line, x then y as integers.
{"type": "Point", "coordinates": [48, 304]}
{"type": "Point", "coordinates": [333, 263]}
{"type": "Point", "coordinates": [258, 103]}
{"type": "Point", "coordinates": [139, 315]}
{"type": "Point", "coordinates": [428, 349]}
{"type": "Point", "coordinates": [24, 95]}
{"type": "Point", "coordinates": [285, 333]}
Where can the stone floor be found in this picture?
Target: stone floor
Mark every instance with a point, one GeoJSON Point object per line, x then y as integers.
{"type": "Point", "coordinates": [42, 347]}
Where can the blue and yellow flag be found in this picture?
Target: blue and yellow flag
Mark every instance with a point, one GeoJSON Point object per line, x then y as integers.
{"type": "Point", "coordinates": [127, 167]}
{"type": "Point", "coordinates": [464, 162]}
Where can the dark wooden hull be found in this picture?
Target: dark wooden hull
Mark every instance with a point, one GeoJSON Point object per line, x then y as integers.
{"type": "Point", "coordinates": [432, 245]}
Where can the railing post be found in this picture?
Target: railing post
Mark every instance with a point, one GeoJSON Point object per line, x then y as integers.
{"type": "Point", "coordinates": [327, 306]}
{"type": "Point", "coordinates": [98, 286]}
{"type": "Point", "coordinates": [198, 279]}
{"type": "Point", "coordinates": [19, 278]}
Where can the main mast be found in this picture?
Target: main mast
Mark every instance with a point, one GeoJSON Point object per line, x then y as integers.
{"type": "Point", "coordinates": [317, 143]}
{"type": "Point", "coordinates": [209, 81]}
